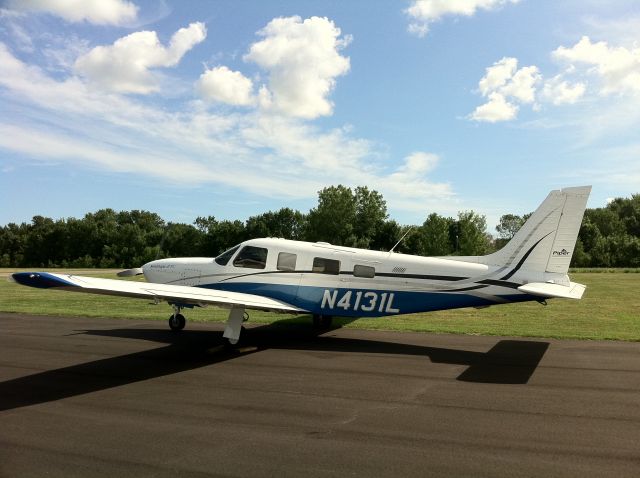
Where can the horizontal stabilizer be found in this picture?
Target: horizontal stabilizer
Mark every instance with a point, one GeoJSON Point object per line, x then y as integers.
{"type": "Point", "coordinates": [547, 289]}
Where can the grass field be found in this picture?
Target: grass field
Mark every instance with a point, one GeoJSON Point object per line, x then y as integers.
{"type": "Point", "coordinates": [610, 309]}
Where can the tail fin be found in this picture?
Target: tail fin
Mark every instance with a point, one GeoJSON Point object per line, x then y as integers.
{"type": "Point", "coordinates": [545, 243]}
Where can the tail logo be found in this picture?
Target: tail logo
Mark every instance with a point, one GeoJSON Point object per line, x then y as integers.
{"type": "Point", "coordinates": [561, 253]}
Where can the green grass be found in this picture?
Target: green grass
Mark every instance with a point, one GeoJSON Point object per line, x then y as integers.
{"type": "Point", "coordinates": [610, 309]}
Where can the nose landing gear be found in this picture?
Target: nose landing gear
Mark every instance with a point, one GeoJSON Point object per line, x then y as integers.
{"type": "Point", "coordinates": [177, 320]}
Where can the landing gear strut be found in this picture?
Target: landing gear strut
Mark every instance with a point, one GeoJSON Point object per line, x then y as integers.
{"type": "Point", "coordinates": [177, 320]}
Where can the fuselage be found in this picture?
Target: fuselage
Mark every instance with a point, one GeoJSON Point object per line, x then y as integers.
{"type": "Point", "coordinates": [340, 281]}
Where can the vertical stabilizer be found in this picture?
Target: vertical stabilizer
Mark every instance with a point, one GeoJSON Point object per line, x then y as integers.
{"type": "Point", "coordinates": [566, 235]}
{"type": "Point", "coordinates": [545, 243]}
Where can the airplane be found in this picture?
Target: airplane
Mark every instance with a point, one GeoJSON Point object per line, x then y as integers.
{"type": "Point", "coordinates": [326, 280]}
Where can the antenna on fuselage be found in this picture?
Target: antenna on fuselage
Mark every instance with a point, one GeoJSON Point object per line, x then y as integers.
{"type": "Point", "coordinates": [405, 235]}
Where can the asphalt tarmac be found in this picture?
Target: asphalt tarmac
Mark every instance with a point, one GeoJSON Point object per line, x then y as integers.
{"type": "Point", "coordinates": [105, 397]}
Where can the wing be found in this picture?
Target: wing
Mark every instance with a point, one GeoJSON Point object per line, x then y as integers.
{"type": "Point", "coordinates": [179, 294]}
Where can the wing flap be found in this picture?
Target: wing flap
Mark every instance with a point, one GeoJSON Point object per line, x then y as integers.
{"type": "Point", "coordinates": [159, 292]}
{"type": "Point", "coordinates": [547, 289]}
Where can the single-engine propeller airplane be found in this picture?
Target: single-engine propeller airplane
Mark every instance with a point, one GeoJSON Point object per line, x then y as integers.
{"type": "Point", "coordinates": [325, 280]}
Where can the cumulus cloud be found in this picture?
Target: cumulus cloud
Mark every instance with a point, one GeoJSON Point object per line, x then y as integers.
{"type": "Point", "coordinates": [99, 12]}
{"type": "Point", "coordinates": [497, 75]}
{"type": "Point", "coordinates": [225, 86]}
{"type": "Point", "coordinates": [617, 69]}
{"type": "Point", "coordinates": [559, 91]}
{"type": "Point", "coordinates": [302, 60]}
{"type": "Point", "coordinates": [494, 110]}
{"type": "Point", "coordinates": [127, 65]}
{"type": "Point", "coordinates": [250, 151]}
{"type": "Point", "coordinates": [424, 12]}
{"type": "Point", "coordinates": [504, 85]}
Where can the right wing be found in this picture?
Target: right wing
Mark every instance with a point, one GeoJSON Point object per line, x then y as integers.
{"type": "Point", "coordinates": [175, 294]}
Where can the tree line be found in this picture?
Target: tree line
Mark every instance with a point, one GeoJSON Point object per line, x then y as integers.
{"type": "Point", "coordinates": [609, 236]}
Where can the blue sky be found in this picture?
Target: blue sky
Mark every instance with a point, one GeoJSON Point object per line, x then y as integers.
{"type": "Point", "coordinates": [231, 108]}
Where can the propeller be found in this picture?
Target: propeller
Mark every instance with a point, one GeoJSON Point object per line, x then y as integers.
{"type": "Point", "coordinates": [136, 271]}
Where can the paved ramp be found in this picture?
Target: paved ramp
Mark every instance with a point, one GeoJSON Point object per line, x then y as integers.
{"type": "Point", "coordinates": [100, 397]}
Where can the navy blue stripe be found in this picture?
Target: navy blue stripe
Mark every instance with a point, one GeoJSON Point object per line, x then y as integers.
{"type": "Point", "coordinates": [524, 258]}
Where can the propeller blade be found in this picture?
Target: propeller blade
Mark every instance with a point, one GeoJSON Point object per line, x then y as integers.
{"type": "Point", "coordinates": [136, 271]}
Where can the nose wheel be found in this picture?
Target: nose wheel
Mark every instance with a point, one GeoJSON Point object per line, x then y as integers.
{"type": "Point", "coordinates": [177, 320]}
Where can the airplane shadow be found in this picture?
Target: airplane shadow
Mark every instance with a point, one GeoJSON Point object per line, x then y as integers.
{"type": "Point", "coordinates": [508, 362]}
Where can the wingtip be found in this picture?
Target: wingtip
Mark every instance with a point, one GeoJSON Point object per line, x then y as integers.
{"type": "Point", "coordinates": [40, 280]}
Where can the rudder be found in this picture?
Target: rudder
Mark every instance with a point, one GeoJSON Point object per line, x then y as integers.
{"type": "Point", "coordinates": [546, 242]}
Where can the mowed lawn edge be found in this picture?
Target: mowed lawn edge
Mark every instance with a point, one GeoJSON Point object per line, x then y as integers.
{"type": "Point", "coordinates": [609, 310]}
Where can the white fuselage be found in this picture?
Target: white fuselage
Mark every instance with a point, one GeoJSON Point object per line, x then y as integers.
{"type": "Point", "coordinates": [340, 281]}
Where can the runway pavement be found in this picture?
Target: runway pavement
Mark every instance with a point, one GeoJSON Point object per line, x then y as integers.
{"type": "Point", "coordinates": [104, 397]}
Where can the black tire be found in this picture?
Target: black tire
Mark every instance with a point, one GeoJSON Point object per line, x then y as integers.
{"type": "Point", "coordinates": [177, 322]}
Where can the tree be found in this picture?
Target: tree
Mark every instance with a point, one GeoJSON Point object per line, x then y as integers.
{"type": "Point", "coordinates": [434, 232]}
{"type": "Point", "coordinates": [509, 225]}
{"type": "Point", "coordinates": [285, 223]}
{"type": "Point", "coordinates": [371, 214]}
{"type": "Point", "coordinates": [333, 220]}
{"type": "Point", "coordinates": [471, 234]}
{"type": "Point", "coordinates": [217, 237]}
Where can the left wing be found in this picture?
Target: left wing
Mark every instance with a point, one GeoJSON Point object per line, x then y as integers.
{"type": "Point", "coordinates": [178, 294]}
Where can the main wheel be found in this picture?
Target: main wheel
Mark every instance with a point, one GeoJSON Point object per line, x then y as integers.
{"type": "Point", "coordinates": [177, 322]}
{"type": "Point", "coordinates": [326, 321]}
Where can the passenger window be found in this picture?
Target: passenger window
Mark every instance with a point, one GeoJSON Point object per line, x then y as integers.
{"type": "Point", "coordinates": [251, 257]}
{"type": "Point", "coordinates": [364, 271]}
{"type": "Point", "coordinates": [326, 266]}
{"type": "Point", "coordinates": [286, 261]}
{"type": "Point", "coordinates": [223, 258]}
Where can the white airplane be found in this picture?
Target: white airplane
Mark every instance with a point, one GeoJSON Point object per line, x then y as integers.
{"type": "Point", "coordinates": [325, 280]}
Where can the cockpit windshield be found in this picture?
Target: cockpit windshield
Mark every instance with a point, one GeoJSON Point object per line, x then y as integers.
{"type": "Point", "coordinates": [223, 258]}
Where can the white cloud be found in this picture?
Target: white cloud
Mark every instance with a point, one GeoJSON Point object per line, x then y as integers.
{"type": "Point", "coordinates": [424, 12]}
{"type": "Point", "coordinates": [99, 12]}
{"type": "Point", "coordinates": [226, 86]}
{"type": "Point", "coordinates": [616, 68]}
{"type": "Point", "coordinates": [302, 59]}
{"type": "Point", "coordinates": [505, 85]}
{"type": "Point", "coordinates": [497, 75]}
{"type": "Point", "coordinates": [522, 85]}
{"type": "Point", "coordinates": [409, 183]}
{"type": "Point", "coordinates": [496, 109]}
{"type": "Point", "coordinates": [126, 66]}
{"type": "Point", "coordinates": [589, 69]}
{"type": "Point", "coordinates": [416, 164]}
{"type": "Point", "coordinates": [559, 91]}
{"type": "Point", "coordinates": [251, 151]}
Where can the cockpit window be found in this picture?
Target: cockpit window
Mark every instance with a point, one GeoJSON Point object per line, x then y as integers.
{"type": "Point", "coordinates": [251, 257]}
{"type": "Point", "coordinates": [223, 258]}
